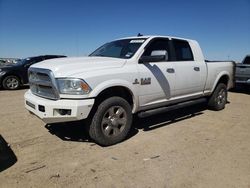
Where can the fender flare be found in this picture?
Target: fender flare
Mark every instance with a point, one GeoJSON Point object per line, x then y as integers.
{"type": "Point", "coordinates": [219, 76]}
{"type": "Point", "coordinates": [116, 83]}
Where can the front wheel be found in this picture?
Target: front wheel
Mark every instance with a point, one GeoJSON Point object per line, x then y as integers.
{"type": "Point", "coordinates": [111, 121]}
{"type": "Point", "coordinates": [218, 99]}
{"type": "Point", "coordinates": [11, 83]}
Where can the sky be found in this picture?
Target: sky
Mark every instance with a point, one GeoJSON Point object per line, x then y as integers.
{"type": "Point", "coordinates": [77, 27]}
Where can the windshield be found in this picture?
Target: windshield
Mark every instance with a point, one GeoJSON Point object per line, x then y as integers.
{"type": "Point", "coordinates": [22, 61]}
{"type": "Point", "coordinates": [19, 62]}
{"type": "Point", "coordinates": [124, 48]}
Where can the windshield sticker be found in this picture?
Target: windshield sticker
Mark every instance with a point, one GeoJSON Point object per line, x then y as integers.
{"type": "Point", "coordinates": [129, 54]}
{"type": "Point", "coordinates": [136, 41]}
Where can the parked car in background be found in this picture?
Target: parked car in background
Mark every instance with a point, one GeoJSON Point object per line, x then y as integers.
{"type": "Point", "coordinates": [12, 76]}
{"type": "Point", "coordinates": [242, 74]}
{"type": "Point", "coordinates": [7, 61]}
{"type": "Point", "coordinates": [2, 62]}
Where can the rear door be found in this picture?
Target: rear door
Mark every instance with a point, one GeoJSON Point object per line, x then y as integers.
{"type": "Point", "coordinates": [189, 73]}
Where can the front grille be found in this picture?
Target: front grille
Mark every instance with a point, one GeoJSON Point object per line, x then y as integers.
{"type": "Point", "coordinates": [42, 83]}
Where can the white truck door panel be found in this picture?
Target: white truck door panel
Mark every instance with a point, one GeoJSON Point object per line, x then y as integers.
{"type": "Point", "coordinates": [161, 87]}
{"type": "Point", "coordinates": [154, 66]}
{"type": "Point", "coordinates": [190, 78]}
{"type": "Point", "coordinates": [190, 73]}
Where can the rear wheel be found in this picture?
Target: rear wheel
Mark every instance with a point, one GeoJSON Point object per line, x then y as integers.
{"type": "Point", "coordinates": [11, 83]}
{"type": "Point", "coordinates": [218, 99]}
{"type": "Point", "coordinates": [111, 121]}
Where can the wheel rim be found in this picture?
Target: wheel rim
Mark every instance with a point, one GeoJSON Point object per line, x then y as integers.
{"type": "Point", "coordinates": [222, 96]}
{"type": "Point", "coordinates": [114, 121]}
{"type": "Point", "coordinates": [12, 83]}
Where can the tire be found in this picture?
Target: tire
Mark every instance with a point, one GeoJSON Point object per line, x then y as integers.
{"type": "Point", "coordinates": [218, 99]}
{"type": "Point", "coordinates": [11, 83]}
{"type": "Point", "coordinates": [111, 121]}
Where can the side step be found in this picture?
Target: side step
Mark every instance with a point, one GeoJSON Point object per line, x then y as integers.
{"type": "Point", "coordinates": [164, 109]}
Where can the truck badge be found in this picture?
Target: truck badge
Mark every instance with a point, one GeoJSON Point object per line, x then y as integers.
{"type": "Point", "coordinates": [136, 81]}
{"type": "Point", "coordinates": [145, 81]}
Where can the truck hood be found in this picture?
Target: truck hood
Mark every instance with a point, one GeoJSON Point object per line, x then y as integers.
{"type": "Point", "coordinates": [69, 67]}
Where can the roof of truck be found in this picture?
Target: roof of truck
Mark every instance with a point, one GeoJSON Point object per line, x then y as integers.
{"type": "Point", "coordinates": [154, 36]}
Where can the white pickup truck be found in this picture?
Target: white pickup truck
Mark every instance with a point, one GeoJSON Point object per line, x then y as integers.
{"type": "Point", "coordinates": [138, 75]}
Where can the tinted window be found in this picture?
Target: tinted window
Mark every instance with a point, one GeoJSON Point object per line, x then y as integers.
{"type": "Point", "coordinates": [183, 51]}
{"type": "Point", "coordinates": [247, 60]}
{"type": "Point", "coordinates": [158, 44]}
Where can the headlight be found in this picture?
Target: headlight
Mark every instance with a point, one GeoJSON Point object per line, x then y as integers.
{"type": "Point", "coordinates": [73, 86]}
{"type": "Point", "coordinates": [1, 72]}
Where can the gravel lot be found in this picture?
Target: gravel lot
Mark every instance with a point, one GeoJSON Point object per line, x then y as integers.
{"type": "Point", "coordinates": [192, 147]}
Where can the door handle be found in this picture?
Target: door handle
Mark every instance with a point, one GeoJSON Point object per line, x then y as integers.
{"type": "Point", "coordinates": [197, 68]}
{"type": "Point", "coordinates": [170, 70]}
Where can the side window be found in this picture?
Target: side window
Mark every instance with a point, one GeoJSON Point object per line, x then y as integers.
{"type": "Point", "coordinates": [183, 51]}
{"type": "Point", "coordinates": [157, 45]}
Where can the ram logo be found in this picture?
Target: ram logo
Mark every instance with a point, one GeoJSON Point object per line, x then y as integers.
{"type": "Point", "coordinates": [144, 81]}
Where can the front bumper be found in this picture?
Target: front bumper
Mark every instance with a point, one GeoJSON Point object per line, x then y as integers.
{"type": "Point", "coordinates": [50, 111]}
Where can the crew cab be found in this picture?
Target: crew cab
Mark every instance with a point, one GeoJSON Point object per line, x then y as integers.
{"type": "Point", "coordinates": [242, 75]}
{"type": "Point", "coordinates": [141, 75]}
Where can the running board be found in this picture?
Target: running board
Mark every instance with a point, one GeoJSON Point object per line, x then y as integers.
{"type": "Point", "coordinates": [164, 109]}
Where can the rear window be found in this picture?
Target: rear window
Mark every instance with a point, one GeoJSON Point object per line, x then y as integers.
{"type": "Point", "coordinates": [183, 51]}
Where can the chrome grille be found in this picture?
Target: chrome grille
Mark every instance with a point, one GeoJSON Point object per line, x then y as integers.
{"type": "Point", "coordinates": [42, 83]}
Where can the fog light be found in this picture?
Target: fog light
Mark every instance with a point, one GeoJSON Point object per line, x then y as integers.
{"type": "Point", "coordinates": [64, 112]}
{"type": "Point", "coordinates": [41, 108]}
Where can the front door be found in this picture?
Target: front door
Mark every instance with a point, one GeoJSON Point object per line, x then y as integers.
{"type": "Point", "coordinates": [156, 79]}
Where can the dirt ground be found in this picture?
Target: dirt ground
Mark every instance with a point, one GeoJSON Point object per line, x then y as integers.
{"type": "Point", "coordinates": [191, 147]}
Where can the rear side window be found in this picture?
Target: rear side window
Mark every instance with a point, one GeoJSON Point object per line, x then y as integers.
{"type": "Point", "coordinates": [183, 51]}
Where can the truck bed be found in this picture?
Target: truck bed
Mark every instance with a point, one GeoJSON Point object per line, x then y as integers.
{"type": "Point", "coordinates": [219, 67]}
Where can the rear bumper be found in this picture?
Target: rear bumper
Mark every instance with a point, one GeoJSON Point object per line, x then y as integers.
{"type": "Point", "coordinates": [50, 111]}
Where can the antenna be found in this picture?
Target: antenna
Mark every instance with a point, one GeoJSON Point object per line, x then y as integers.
{"type": "Point", "coordinates": [139, 35]}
